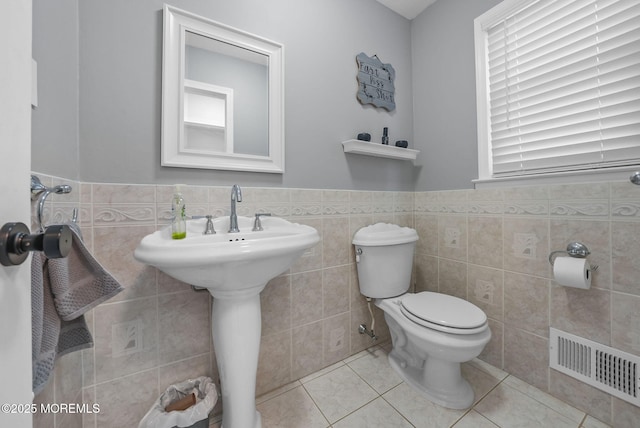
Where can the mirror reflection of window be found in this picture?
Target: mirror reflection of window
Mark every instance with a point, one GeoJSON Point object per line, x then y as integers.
{"type": "Point", "coordinates": [204, 110]}
{"type": "Point", "coordinates": [220, 64]}
{"type": "Point", "coordinates": [208, 118]}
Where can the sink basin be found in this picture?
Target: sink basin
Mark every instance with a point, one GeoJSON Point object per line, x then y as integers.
{"type": "Point", "coordinates": [228, 262]}
{"type": "Point", "coordinates": [235, 268]}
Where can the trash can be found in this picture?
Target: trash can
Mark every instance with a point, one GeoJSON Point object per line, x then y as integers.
{"type": "Point", "coordinates": [193, 398]}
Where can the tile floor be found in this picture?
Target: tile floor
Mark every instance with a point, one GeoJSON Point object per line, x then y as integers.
{"type": "Point", "coordinates": [363, 391]}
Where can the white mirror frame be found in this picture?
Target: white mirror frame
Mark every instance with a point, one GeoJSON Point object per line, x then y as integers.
{"type": "Point", "coordinates": [176, 23]}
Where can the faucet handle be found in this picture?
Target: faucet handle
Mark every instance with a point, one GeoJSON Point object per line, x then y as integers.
{"type": "Point", "coordinates": [209, 229]}
{"type": "Point", "coordinates": [257, 225]}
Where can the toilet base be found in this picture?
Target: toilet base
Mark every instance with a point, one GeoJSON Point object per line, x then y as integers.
{"type": "Point", "coordinates": [439, 381]}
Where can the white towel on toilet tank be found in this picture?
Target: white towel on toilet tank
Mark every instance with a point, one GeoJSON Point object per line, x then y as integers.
{"type": "Point", "coordinates": [62, 291]}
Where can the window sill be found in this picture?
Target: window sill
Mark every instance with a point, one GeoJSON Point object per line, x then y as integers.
{"type": "Point", "coordinates": [589, 176]}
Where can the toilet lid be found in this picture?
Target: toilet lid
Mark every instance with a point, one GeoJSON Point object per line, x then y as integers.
{"type": "Point", "coordinates": [437, 310]}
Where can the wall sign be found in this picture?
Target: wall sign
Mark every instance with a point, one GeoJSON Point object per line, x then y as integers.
{"type": "Point", "coordinates": [375, 82]}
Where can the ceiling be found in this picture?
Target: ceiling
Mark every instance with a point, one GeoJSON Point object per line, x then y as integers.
{"type": "Point", "coordinates": [407, 8]}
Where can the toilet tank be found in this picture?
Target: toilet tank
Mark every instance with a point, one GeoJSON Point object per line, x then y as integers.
{"type": "Point", "coordinates": [384, 258]}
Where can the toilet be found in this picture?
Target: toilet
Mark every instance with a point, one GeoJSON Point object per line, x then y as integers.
{"type": "Point", "coordinates": [431, 333]}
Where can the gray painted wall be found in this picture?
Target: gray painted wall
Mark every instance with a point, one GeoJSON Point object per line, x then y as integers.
{"type": "Point", "coordinates": [444, 93]}
{"type": "Point", "coordinates": [54, 123]}
{"type": "Point", "coordinates": [120, 90]}
{"type": "Point", "coordinates": [119, 96]}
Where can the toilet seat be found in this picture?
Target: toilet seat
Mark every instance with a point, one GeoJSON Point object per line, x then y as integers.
{"type": "Point", "coordinates": [443, 312]}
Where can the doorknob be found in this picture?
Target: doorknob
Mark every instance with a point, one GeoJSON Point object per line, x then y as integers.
{"type": "Point", "coordinates": [16, 241]}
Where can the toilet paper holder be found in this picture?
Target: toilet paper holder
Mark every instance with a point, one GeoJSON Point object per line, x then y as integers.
{"type": "Point", "coordinates": [574, 249]}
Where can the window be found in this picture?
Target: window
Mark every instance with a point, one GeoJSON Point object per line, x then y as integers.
{"type": "Point", "coordinates": [208, 118]}
{"type": "Point", "coordinates": [558, 86]}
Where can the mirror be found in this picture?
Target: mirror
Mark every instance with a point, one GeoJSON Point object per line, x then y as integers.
{"type": "Point", "coordinates": [222, 96]}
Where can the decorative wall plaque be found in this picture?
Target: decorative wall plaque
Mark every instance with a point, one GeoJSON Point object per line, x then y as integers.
{"type": "Point", "coordinates": [375, 82]}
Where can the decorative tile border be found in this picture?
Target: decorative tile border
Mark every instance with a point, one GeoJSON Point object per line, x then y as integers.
{"type": "Point", "coordinates": [583, 208]}
{"type": "Point", "coordinates": [534, 208]}
{"type": "Point", "coordinates": [123, 215]}
{"type": "Point", "coordinates": [625, 210]}
{"type": "Point", "coordinates": [306, 210]}
{"type": "Point", "coordinates": [335, 208]}
{"type": "Point", "coordinates": [487, 208]}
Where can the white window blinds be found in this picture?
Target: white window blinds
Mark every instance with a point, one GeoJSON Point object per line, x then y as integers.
{"type": "Point", "coordinates": [563, 80]}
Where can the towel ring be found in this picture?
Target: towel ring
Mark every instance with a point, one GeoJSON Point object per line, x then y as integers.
{"type": "Point", "coordinates": [40, 190]}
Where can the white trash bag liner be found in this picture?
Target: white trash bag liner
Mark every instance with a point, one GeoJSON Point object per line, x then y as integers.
{"type": "Point", "coordinates": [206, 397]}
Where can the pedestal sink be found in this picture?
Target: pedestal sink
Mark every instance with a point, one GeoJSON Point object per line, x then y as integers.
{"type": "Point", "coordinates": [235, 268]}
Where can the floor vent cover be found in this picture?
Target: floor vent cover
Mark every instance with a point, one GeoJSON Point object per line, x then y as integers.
{"type": "Point", "coordinates": [611, 370]}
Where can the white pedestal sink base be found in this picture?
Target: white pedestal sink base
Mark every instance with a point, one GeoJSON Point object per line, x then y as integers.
{"type": "Point", "coordinates": [236, 328]}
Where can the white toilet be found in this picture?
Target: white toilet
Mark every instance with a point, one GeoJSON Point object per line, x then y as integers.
{"type": "Point", "coordinates": [432, 333]}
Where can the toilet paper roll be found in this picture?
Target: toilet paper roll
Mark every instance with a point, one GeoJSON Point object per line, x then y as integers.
{"type": "Point", "coordinates": [572, 272]}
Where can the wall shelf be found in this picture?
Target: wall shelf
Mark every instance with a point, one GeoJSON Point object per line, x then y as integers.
{"type": "Point", "coordinates": [379, 150]}
{"type": "Point", "coordinates": [204, 126]}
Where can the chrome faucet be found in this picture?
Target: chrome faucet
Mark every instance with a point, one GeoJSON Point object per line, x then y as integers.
{"type": "Point", "coordinates": [209, 229]}
{"type": "Point", "coordinates": [236, 196]}
{"type": "Point", "coordinates": [257, 225]}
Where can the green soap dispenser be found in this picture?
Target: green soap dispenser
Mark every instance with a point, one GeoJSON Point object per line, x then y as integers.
{"type": "Point", "coordinates": [178, 210]}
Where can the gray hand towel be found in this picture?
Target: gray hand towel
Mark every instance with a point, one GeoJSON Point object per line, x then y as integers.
{"type": "Point", "coordinates": [62, 291]}
{"type": "Point", "coordinates": [45, 325]}
{"type": "Point", "coordinates": [79, 282]}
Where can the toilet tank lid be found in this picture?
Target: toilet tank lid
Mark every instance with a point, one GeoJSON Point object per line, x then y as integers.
{"type": "Point", "coordinates": [384, 234]}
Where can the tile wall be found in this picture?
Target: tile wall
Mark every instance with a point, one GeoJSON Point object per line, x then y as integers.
{"type": "Point", "coordinates": [487, 246]}
{"type": "Point", "coordinates": [491, 247]}
{"type": "Point", "coordinates": [310, 313]}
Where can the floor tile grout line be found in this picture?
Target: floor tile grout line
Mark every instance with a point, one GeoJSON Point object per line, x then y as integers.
{"type": "Point", "coordinates": [284, 389]}
{"type": "Point", "coordinates": [582, 422]}
{"type": "Point", "coordinates": [313, 376]}
{"type": "Point", "coordinates": [355, 410]}
{"type": "Point", "coordinates": [378, 395]}
{"type": "Point", "coordinates": [316, 404]}
{"type": "Point", "coordinates": [475, 404]}
{"type": "Point", "coordinates": [394, 407]}
{"type": "Point", "coordinates": [472, 409]}
{"type": "Point", "coordinates": [467, 411]}
{"type": "Point", "coordinates": [528, 397]}
{"type": "Point", "coordinates": [489, 392]}
{"type": "Point", "coordinates": [368, 384]}
{"type": "Point", "coordinates": [302, 384]}
{"type": "Point", "coordinates": [543, 393]}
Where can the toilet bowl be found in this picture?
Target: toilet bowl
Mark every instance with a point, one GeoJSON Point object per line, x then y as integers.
{"type": "Point", "coordinates": [431, 333]}
{"type": "Point", "coordinates": [428, 358]}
